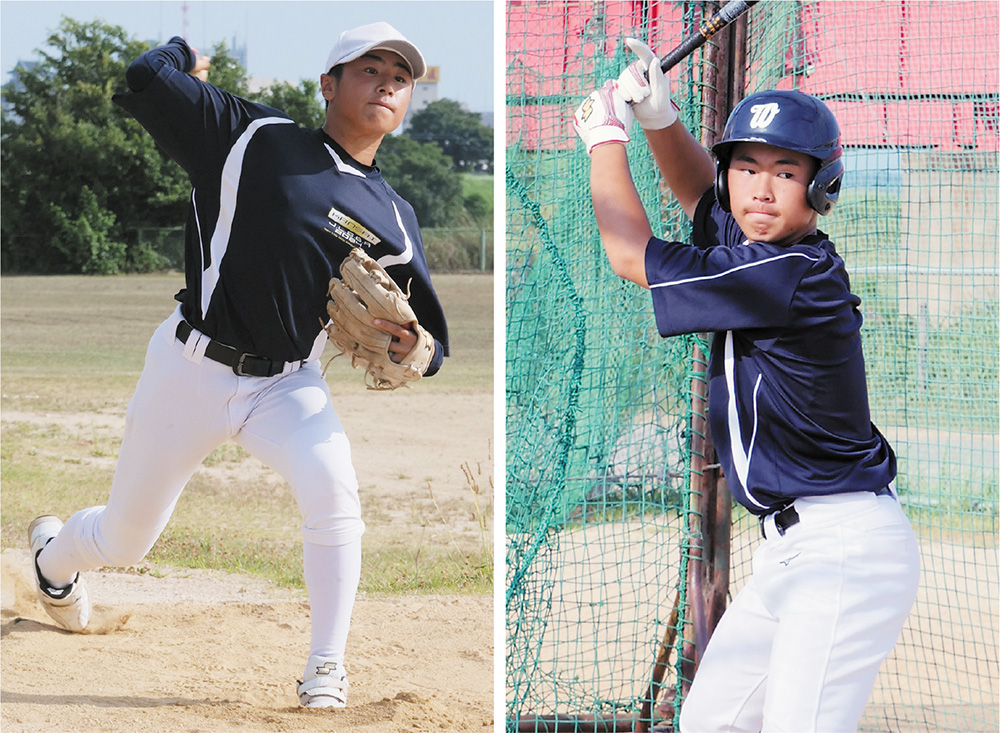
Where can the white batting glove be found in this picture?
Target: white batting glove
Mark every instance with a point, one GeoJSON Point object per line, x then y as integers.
{"type": "Point", "coordinates": [604, 117]}
{"type": "Point", "coordinates": [650, 98]}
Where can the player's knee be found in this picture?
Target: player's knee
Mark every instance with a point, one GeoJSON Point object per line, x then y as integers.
{"type": "Point", "coordinates": [105, 541]}
{"type": "Point", "coordinates": [338, 530]}
{"type": "Point", "coordinates": [127, 549]}
{"type": "Point", "coordinates": [120, 556]}
{"type": "Point", "coordinates": [330, 508]}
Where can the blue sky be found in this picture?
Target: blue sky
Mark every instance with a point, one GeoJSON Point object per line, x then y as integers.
{"type": "Point", "coordinates": [286, 39]}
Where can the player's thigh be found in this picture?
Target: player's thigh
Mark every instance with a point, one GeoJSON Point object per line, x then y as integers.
{"type": "Point", "coordinates": [849, 605]}
{"type": "Point", "coordinates": [731, 680]}
{"type": "Point", "coordinates": [295, 430]}
{"type": "Point", "coordinates": [176, 417]}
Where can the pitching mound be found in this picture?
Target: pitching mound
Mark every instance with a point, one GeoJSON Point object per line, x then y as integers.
{"type": "Point", "coordinates": [201, 651]}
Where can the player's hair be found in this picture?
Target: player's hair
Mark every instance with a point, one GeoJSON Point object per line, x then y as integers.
{"type": "Point", "coordinates": [793, 121]}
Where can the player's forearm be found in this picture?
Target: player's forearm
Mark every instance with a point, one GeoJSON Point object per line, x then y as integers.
{"type": "Point", "coordinates": [175, 53]}
{"type": "Point", "coordinates": [687, 168]}
{"type": "Point", "coordinates": [621, 218]}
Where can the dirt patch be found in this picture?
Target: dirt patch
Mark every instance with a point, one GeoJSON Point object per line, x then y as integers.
{"type": "Point", "coordinates": [180, 650]}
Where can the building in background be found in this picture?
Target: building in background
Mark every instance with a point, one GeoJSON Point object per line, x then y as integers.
{"type": "Point", "coordinates": [239, 52]}
{"type": "Point", "coordinates": [425, 91]}
{"type": "Point", "coordinates": [14, 83]}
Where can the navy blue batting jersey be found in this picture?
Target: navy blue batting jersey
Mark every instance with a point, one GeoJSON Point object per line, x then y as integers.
{"type": "Point", "coordinates": [274, 210]}
{"type": "Point", "coordinates": [788, 397]}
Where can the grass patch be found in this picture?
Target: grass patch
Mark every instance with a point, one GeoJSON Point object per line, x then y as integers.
{"type": "Point", "coordinates": [392, 571]}
{"type": "Point", "coordinates": [95, 368]}
{"type": "Point", "coordinates": [480, 184]}
{"type": "Point", "coordinates": [276, 560]}
{"type": "Point", "coordinates": [45, 469]}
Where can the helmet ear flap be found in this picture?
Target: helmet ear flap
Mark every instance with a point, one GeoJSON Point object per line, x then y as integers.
{"type": "Point", "coordinates": [824, 190]}
{"type": "Point", "coordinates": [722, 185]}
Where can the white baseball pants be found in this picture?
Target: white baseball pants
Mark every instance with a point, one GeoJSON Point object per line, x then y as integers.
{"type": "Point", "coordinates": [800, 647]}
{"type": "Point", "coordinates": [183, 408]}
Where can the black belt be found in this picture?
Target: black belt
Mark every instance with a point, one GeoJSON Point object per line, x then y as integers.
{"type": "Point", "coordinates": [242, 363]}
{"type": "Point", "coordinates": [788, 517]}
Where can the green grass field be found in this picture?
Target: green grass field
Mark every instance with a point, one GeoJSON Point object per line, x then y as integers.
{"type": "Point", "coordinates": [72, 350]}
{"type": "Point", "coordinates": [78, 342]}
{"type": "Point", "coordinates": [478, 183]}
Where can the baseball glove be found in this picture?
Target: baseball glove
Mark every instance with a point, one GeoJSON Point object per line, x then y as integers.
{"type": "Point", "coordinates": [363, 293]}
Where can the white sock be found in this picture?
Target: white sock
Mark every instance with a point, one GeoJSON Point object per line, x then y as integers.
{"type": "Point", "coordinates": [332, 575]}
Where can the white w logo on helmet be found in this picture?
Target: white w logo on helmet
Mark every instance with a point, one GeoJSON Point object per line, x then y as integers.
{"type": "Point", "coordinates": [763, 114]}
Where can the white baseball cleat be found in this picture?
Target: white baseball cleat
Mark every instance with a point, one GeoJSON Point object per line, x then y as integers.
{"type": "Point", "coordinates": [323, 685]}
{"type": "Point", "coordinates": [70, 605]}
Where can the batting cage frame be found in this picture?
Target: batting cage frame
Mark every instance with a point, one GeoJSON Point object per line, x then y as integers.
{"type": "Point", "coordinates": [623, 545]}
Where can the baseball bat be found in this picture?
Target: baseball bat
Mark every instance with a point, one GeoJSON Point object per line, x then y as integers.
{"type": "Point", "coordinates": [708, 28]}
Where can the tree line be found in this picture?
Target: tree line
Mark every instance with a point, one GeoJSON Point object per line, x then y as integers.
{"type": "Point", "coordinates": [81, 179]}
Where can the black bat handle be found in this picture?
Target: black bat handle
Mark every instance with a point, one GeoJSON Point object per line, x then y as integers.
{"type": "Point", "coordinates": [729, 12]}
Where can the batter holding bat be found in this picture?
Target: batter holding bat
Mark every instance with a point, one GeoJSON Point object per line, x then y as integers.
{"type": "Point", "coordinates": [277, 215]}
{"type": "Point", "coordinates": [836, 574]}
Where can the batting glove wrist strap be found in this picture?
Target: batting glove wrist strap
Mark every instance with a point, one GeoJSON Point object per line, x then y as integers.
{"type": "Point", "coordinates": [645, 87]}
{"type": "Point", "coordinates": [604, 117]}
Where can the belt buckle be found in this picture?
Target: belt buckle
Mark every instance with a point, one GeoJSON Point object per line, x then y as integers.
{"type": "Point", "coordinates": [782, 520]}
{"type": "Point", "coordinates": [238, 365]}
{"type": "Point", "coordinates": [786, 519]}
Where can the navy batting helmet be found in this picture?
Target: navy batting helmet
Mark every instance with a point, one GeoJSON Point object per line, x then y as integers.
{"type": "Point", "coordinates": [790, 120]}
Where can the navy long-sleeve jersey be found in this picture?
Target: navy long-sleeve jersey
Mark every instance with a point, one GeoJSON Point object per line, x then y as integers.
{"type": "Point", "coordinates": [788, 396]}
{"type": "Point", "coordinates": [274, 210]}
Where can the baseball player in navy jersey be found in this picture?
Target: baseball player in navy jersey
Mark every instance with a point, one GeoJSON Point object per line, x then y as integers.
{"type": "Point", "coordinates": [274, 209]}
{"type": "Point", "coordinates": [835, 576]}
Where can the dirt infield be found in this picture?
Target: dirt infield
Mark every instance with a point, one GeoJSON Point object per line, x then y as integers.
{"type": "Point", "coordinates": [201, 651]}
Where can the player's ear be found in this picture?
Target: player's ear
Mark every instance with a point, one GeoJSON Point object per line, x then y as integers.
{"type": "Point", "coordinates": [327, 86]}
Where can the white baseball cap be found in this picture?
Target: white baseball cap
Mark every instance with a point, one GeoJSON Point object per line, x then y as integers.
{"type": "Point", "coordinates": [358, 41]}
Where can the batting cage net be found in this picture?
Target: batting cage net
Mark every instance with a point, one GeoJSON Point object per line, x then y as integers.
{"type": "Point", "coordinates": [622, 544]}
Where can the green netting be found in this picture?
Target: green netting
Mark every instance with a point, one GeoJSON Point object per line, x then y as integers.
{"type": "Point", "coordinates": [600, 518]}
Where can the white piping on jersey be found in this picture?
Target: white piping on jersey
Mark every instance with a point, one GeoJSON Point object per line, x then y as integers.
{"type": "Point", "coordinates": [387, 260]}
{"type": "Point", "coordinates": [227, 206]}
{"type": "Point", "coordinates": [341, 165]}
{"type": "Point", "coordinates": [717, 275]}
{"type": "Point", "coordinates": [407, 253]}
{"type": "Point", "coordinates": [318, 344]}
{"type": "Point", "coordinates": [741, 457]}
{"type": "Point", "coordinates": [197, 228]}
